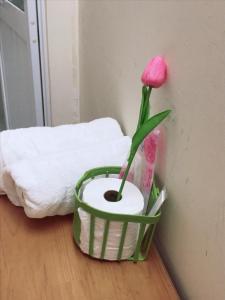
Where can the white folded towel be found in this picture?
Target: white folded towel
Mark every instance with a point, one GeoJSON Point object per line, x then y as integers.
{"type": "Point", "coordinates": [31, 142]}
{"type": "Point", "coordinates": [44, 186]}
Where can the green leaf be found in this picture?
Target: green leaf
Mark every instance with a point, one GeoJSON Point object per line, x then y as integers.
{"type": "Point", "coordinates": [146, 128]}
{"type": "Point", "coordinates": [137, 139]}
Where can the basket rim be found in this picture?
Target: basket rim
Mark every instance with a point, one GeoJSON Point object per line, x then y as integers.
{"type": "Point", "coordinates": [90, 174]}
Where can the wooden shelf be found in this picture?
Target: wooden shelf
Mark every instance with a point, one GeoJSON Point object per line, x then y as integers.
{"type": "Point", "coordinates": [38, 260]}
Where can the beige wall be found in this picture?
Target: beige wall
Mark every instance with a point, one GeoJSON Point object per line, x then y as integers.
{"type": "Point", "coordinates": [62, 38]}
{"type": "Point", "coordinates": [116, 40]}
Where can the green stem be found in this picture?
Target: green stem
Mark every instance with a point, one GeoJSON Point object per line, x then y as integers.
{"type": "Point", "coordinates": [140, 118]}
{"type": "Point", "coordinates": [130, 159]}
{"type": "Point", "coordinates": [147, 105]}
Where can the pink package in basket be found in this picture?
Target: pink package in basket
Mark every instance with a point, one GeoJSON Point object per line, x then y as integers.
{"type": "Point", "coordinates": [142, 169]}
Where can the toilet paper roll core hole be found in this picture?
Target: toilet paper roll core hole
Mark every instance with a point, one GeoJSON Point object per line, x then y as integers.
{"type": "Point", "coordinates": [111, 196]}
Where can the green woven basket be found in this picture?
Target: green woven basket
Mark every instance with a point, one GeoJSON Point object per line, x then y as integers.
{"type": "Point", "coordinates": [147, 223]}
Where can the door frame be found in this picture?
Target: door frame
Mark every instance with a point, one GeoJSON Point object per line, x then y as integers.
{"type": "Point", "coordinates": [2, 89]}
{"type": "Point", "coordinates": [33, 40]}
{"type": "Point", "coordinates": [36, 33]}
{"type": "Point", "coordinates": [44, 61]}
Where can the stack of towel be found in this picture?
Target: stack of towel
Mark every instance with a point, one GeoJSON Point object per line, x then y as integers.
{"type": "Point", "coordinates": [40, 166]}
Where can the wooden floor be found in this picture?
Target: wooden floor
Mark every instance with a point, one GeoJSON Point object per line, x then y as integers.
{"type": "Point", "coordinates": [38, 260]}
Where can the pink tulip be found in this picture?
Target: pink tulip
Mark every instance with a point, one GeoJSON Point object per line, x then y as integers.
{"type": "Point", "coordinates": [155, 72]}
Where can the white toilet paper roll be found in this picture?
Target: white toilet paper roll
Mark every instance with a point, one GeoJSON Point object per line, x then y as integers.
{"type": "Point", "coordinates": [132, 202]}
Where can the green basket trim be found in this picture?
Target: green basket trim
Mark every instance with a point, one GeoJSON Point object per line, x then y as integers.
{"type": "Point", "coordinates": [92, 234]}
{"type": "Point", "coordinates": [76, 227]}
{"type": "Point", "coordinates": [151, 234]}
{"type": "Point", "coordinates": [105, 237]}
{"type": "Point", "coordinates": [119, 217]}
{"type": "Point", "coordinates": [122, 239]}
{"type": "Point", "coordinates": [139, 241]}
{"type": "Point", "coordinates": [144, 236]}
{"type": "Point", "coordinates": [106, 215]}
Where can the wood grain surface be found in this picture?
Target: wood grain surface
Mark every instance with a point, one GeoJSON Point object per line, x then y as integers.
{"type": "Point", "coordinates": [38, 260]}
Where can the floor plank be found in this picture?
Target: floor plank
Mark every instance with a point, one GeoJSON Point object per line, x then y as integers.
{"type": "Point", "coordinates": [38, 260]}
